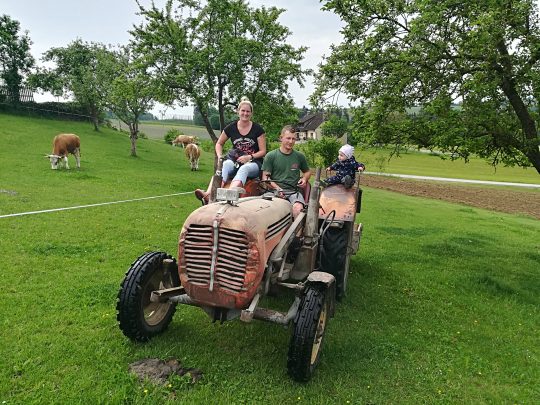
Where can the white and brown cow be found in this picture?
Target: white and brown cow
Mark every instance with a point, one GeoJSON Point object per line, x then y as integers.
{"type": "Point", "coordinates": [184, 140]}
{"type": "Point", "coordinates": [64, 144]}
{"type": "Point", "coordinates": [193, 153]}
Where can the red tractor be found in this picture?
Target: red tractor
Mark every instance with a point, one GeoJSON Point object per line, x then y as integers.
{"type": "Point", "coordinates": [235, 250]}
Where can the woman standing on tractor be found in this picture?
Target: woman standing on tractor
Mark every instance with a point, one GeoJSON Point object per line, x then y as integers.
{"type": "Point", "coordinates": [249, 147]}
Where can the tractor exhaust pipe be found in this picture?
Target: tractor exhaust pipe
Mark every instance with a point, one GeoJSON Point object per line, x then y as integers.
{"type": "Point", "coordinates": [312, 219]}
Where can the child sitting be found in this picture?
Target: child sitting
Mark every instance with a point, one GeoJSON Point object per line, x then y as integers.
{"type": "Point", "coordinates": [345, 167]}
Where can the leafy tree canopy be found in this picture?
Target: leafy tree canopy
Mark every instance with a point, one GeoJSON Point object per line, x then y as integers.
{"type": "Point", "coordinates": [482, 54]}
{"type": "Point", "coordinates": [334, 127]}
{"type": "Point", "coordinates": [130, 93]}
{"type": "Point", "coordinates": [83, 71]}
{"type": "Point", "coordinates": [214, 52]}
{"type": "Point", "coordinates": [15, 58]}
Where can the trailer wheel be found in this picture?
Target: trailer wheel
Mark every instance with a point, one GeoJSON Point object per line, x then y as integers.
{"type": "Point", "coordinates": [138, 317]}
{"type": "Point", "coordinates": [334, 258]}
{"type": "Point", "coordinates": [308, 334]}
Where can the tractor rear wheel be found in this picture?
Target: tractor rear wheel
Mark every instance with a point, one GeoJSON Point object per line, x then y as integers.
{"type": "Point", "coordinates": [308, 333]}
{"type": "Point", "coordinates": [335, 257]}
{"type": "Point", "coordinates": [138, 317]}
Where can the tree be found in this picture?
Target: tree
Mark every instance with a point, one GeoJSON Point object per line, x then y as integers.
{"type": "Point", "coordinates": [335, 126]}
{"type": "Point", "coordinates": [482, 54]}
{"type": "Point", "coordinates": [83, 71]}
{"type": "Point", "coordinates": [15, 57]}
{"type": "Point", "coordinates": [130, 94]}
{"type": "Point", "coordinates": [211, 53]}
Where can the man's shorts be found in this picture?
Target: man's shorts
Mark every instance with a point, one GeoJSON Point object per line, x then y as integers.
{"type": "Point", "coordinates": [296, 197]}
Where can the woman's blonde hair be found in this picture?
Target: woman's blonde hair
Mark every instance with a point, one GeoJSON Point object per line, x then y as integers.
{"type": "Point", "coordinates": [245, 100]}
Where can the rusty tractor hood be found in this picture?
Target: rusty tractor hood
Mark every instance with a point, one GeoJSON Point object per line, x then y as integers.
{"type": "Point", "coordinates": [223, 249]}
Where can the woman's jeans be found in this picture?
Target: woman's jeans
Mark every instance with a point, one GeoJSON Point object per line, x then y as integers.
{"type": "Point", "coordinates": [250, 170]}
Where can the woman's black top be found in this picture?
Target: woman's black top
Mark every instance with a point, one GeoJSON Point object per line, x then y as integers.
{"type": "Point", "coordinates": [245, 145]}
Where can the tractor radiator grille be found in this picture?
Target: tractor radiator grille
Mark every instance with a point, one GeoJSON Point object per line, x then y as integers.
{"type": "Point", "coordinates": [231, 258]}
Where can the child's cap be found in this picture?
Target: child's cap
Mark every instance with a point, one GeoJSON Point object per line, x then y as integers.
{"type": "Point", "coordinates": [347, 150]}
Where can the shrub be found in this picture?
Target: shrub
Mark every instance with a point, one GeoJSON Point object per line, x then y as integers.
{"type": "Point", "coordinates": [327, 148]}
{"type": "Point", "coordinates": [207, 145]}
{"type": "Point", "coordinates": [171, 135]}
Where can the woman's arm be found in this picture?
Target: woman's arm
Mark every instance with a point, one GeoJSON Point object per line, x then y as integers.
{"type": "Point", "coordinates": [219, 144]}
{"type": "Point", "coordinates": [261, 141]}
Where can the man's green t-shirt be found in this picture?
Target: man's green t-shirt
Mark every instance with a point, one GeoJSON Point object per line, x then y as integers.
{"type": "Point", "coordinates": [284, 167]}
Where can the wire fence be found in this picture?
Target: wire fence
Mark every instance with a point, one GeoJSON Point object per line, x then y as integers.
{"type": "Point", "coordinates": [20, 214]}
{"type": "Point", "coordinates": [38, 110]}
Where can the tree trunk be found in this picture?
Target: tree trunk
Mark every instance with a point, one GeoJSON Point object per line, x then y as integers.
{"type": "Point", "coordinates": [530, 147]}
{"type": "Point", "coordinates": [204, 115]}
{"type": "Point", "coordinates": [133, 139]}
{"type": "Point", "coordinates": [133, 135]}
{"type": "Point", "coordinates": [534, 158]}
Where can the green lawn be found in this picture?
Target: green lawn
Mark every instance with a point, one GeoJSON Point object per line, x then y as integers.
{"type": "Point", "coordinates": [443, 303]}
{"type": "Point", "coordinates": [419, 163]}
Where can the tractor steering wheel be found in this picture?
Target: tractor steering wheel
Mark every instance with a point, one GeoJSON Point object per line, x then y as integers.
{"type": "Point", "coordinates": [291, 188]}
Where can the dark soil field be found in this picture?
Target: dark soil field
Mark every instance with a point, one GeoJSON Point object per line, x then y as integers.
{"type": "Point", "coordinates": [502, 199]}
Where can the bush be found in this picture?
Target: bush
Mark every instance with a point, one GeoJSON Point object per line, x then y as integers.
{"type": "Point", "coordinates": [327, 148]}
{"type": "Point", "coordinates": [309, 149]}
{"type": "Point", "coordinates": [171, 135]}
{"type": "Point", "coordinates": [207, 145]}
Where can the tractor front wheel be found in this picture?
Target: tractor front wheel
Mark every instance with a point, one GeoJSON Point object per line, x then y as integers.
{"type": "Point", "coordinates": [308, 333]}
{"type": "Point", "coordinates": [138, 317]}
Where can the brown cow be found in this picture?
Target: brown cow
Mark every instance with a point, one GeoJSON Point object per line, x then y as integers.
{"type": "Point", "coordinates": [184, 140]}
{"type": "Point", "coordinates": [193, 152]}
{"type": "Point", "coordinates": [64, 144]}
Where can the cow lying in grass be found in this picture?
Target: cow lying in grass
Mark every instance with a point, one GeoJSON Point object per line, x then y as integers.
{"type": "Point", "coordinates": [184, 140]}
{"type": "Point", "coordinates": [64, 144]}
{"type": "Point", "coordinates": [193, 153]}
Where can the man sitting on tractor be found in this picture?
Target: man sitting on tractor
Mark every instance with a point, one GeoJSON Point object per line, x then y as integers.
{"type": "Point", "coordinates": [282, 168]}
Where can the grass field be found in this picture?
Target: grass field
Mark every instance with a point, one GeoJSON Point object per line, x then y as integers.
{"type": "Point", "coordinates": [443, 303]}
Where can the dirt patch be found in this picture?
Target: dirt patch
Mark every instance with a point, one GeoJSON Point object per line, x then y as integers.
{"type": "Point", "coordinates": [525, 202]}
{"type": "Point", "coordinates": [158, 371]}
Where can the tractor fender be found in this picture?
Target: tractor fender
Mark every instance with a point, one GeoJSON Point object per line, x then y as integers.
{"type": "Point", "coordinates": [329, 283]}
{"type": "Point", "coordinates": [321, 277]}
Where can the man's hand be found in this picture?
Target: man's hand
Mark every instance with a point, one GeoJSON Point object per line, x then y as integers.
{"type": "Point", "coordinates": [301, 182]}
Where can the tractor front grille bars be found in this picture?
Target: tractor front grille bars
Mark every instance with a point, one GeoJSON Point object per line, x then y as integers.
{"type": "Point", "coordinates": [225, 267]}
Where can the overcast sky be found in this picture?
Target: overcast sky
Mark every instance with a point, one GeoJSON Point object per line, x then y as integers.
{"type": "Point", "coordinates": [55, 23]}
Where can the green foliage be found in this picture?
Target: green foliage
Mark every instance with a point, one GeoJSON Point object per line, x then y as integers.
{"type": "Point", "coordinates": [131, 93]}
{"type": "Point", "coordinates": [213, 53]}
{"type": "Point", "coordinates": [484, 55]}
{"type": "Point", "coordinates": [84, 71]}
{"type": "Point", "coordinates": [327, 148]}
{"type": "Point", "coordinates": [208, 146]}
{"type": "Point", "coordinates": [321, 153]}
{"type": "Point", "coordinates": [309, 149]}
{"type": "Point", "coordinates": [214, 122]}
{"type": "Point", "coordinates": [335, 126]}
{"type": "Point", "coordinates": [15, 57]}
{"type": "Point", "coordinates": [171, 135]}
